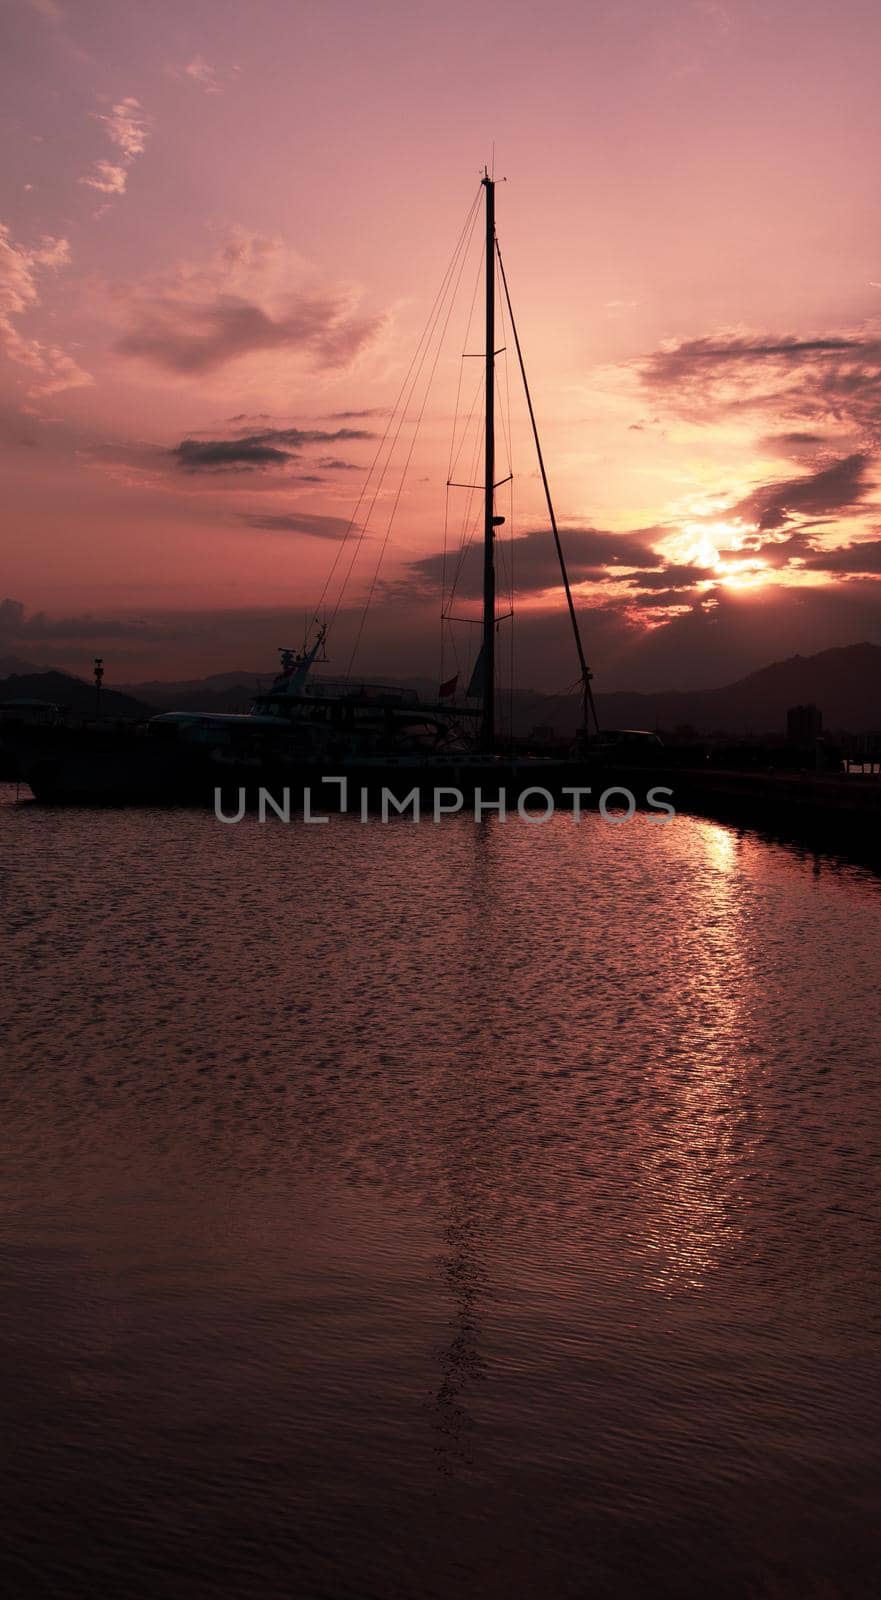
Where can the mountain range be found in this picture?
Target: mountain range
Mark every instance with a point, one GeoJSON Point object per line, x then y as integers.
{"type": "Point", "coordinates": [845, 683]}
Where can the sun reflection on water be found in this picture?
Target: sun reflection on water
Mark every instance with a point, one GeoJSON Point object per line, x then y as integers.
{"type": "Point", "coordinates": [696, 1161]}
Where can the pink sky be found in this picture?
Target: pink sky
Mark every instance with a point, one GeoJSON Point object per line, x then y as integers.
{"type": "Point", "coordinates": [226, 224]}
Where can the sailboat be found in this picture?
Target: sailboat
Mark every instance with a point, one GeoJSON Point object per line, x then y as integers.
{"type": "Point", "coordinates": [305, 726]}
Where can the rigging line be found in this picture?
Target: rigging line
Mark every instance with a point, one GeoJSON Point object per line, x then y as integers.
{"type": "Point", "coordinates": [573, 615]}
{"type": "Point", "coordinates": [513, 628]}
{"type": "Point", "coordinates": [444, 580]}
{"type": "Point", "coordinates": [477, 395]}
{"type": "Point", "coordinates": [465, 538]}
{"type": "Point", "coordinates": [467, 227]}
{"type": "Point", "coordinates": [474, 515]}
{"type": "Point", "coordinates": [454, 460]}
{"type": "Point", "coordinates": [560, 694]}
{"type": "Point", "coordinates": [506, 547]}
{"type": "Point", "coordinates": [409, 456]}
{"type": "Point", "coordinates": [448, 599]}
{"type": "Point", "coordinates": [468, 483]}
{"type": "Point", "coordinates": [510, 445]}
{"type": "Point", "coordinates": [462, 361]}
{"type": "Point", "coordinates": [476, 457]}
{"type": "Point", "coordinates": [506, 433]}
{"type": "Point", "coordinates": [445, 601]}
{"type": "Point", "coordinates": [425, 337]}
{"type": "Point", "coordinates": [454, 457]}
{"type": "Point", "coordinates": [468, 506]}
{"type": "Point", "coordinates": [423, 346]}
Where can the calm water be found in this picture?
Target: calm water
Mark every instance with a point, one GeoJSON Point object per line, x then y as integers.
{"type": "Point", "coordinates": [437, 1211]}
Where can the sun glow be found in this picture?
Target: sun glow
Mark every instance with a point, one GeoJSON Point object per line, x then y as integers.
{"type": "Point", "coordinates": [715, 546]}
{"type": "Point", "coordinates": [747, 574]}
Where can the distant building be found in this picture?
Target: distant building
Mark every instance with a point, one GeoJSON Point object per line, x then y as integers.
{"type": "Point", "coordinates": [804, 724]}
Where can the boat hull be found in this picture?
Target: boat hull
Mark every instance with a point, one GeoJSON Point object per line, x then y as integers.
{"type": "Point", "coordinates": [88, 768]}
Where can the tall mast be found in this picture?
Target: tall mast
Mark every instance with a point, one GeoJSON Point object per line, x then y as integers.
{"type": "Point", "coordinates": [488, 731]}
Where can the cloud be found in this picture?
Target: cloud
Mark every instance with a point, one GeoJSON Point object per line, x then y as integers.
{"type": "Point", "coordinates": [676, 576]}
{"type": "Point", "coordinates": [795, 440]}
{"type": "Point", "coordinates": [683, 360]}
{"type": "Point", "coordinates": [351, 416]}
{"type": "Point", "coordinates": [199, 71]}
{"type": "Point", "coordinates": [662, 601]}
{"type": "Point", "coordinates": [590, 554]}
{"type": "Point", "coordinates": [317, 527]}
{"type": "Point", "coordinates": [20, 270]}
{"type": "Point", "coordinates": [829, 489]}
{"type": "Point", "coordinates": [863, 556]}
{"type": "Point", "coordinates": [11, 618]}
{"type": "Point", "coordinates": [128, 128]}
{"type": "Point", "coordinates": [822, 392]}
{"type": "Point", "coordinates": [693, 645]}
{"type": "Point", "coordinates": [273, 447]}
{"type": "Point", "coordinates": [16, 624]}
{"type": "Point", "coordinates": [639, 573]}
{"type": "Point", "coordinates": [107, 178]}
{"type": "Point", "coordinates": [201, 455]}
{"type": "Point", "coordinates": [774, 552]}
{"type": "Point", "coordinates": [199, 319]}
{"type": "Point", "coordinates": [832, 379]}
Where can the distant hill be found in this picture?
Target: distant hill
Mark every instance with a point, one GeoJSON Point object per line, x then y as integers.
{"type": "Point", "coordinates": [845, 683]}
{"type": "Point", "coordinates": [73, 693]}
{"type": "Point", "coordinates": [222, 691]}
{"type": "Point", "coordinates": [10, 664]}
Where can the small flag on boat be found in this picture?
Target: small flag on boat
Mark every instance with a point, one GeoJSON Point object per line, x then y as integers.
{"type": "Point", "coordinates": [448, 688]}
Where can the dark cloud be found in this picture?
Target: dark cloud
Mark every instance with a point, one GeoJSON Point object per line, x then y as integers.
{"type": "Point", "coordinates": [672, 577]}
{"type": "Point", "coordinates": [273, 447]}
{"type": "Point", "coordinates": [828, 489]}
{"type": "Point", "coordinates": [708, 357]}
{"type": "Point", "coordinates": [698, 645]}
{"type": "Point", "coordinates": [659, 599]}
{"type": "Point", "coordinates": [16, 624]}
{"type": "Point", "coordinates": [834, 379]}
{"type": "Point", "coordinates": [351, 416]}
{"type": "Point", "coordinates": [861, 556]}
{"type": "Point", "coordinates": [774, 552]}
{"type": "Point", "coordinates": [796, 441]}
{"type": "Point", "coordinates": [207, 455]}
{"type": "Point", "coordinates": [12, 615]}
{"type": "Point", "coordinates": [317, 527]}
{"type": "Point", "coordinates": [590, 553]}
{"type": "Point", "coordinates": [189, 337]}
